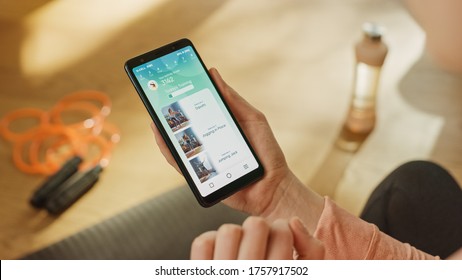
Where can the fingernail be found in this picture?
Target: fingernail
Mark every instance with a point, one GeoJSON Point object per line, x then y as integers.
{"type": "Point", "coordinates": [300, 225]}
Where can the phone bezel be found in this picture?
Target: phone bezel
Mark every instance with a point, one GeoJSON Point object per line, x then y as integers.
{"type": "Point", "coordinates": [226, 190]}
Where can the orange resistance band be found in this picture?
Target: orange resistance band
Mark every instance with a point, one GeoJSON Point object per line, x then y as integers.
{"type": "Point", "coordinates": [43, 148]}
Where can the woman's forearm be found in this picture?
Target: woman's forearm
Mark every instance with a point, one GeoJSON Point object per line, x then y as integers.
{"type": "Point", "coordinates": [293, 198]}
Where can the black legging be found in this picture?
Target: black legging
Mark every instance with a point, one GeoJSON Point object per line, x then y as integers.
{"type": "Point", "coordinates": [421, 204]}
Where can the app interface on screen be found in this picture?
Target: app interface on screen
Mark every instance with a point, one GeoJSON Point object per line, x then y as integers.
{"type": "Point", "coordinates": [195, 119]}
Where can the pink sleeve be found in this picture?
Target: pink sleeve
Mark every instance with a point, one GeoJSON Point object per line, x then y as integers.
{"type": "Point", "coordinates": [348, 237]}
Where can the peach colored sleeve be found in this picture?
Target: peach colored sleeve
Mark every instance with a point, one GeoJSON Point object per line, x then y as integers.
{"type": "Point", "coordinates": [348, 237]}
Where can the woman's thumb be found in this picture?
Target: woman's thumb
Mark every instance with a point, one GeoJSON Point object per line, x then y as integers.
{"type": "Point", "coordinates": [306, 246]}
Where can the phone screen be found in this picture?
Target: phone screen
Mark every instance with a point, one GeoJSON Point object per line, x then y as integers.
{"type": "Point", "coordinates": [214, 153]}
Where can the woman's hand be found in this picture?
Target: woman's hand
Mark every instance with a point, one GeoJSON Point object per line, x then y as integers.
{"type": "Point", "coordinates": [256, 239]}
{"type": "Point", "coordinates": [279, 194]}
{"type": "Point", "coordinates": [256, 128]}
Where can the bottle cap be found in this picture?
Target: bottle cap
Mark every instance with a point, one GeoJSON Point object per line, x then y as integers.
{"type": "Point", "coordinates": [373, 30]}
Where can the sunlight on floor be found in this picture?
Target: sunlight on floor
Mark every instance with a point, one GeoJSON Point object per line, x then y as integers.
{"type": "Point", "coordinates": [45, 50]}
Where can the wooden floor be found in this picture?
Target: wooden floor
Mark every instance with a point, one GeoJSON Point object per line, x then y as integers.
{"type": "Point", "coordinates": [291, 59]}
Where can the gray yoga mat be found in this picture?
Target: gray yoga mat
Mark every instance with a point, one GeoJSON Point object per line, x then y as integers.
{"type": "Point", "coordinates": [161, 228]}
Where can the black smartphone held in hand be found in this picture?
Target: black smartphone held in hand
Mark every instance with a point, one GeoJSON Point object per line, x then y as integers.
{"type": "Point", "coordinates": [207, 143]}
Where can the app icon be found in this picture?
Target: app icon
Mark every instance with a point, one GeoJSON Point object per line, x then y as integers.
{"type": "Point", "coordinates": [153, 85]}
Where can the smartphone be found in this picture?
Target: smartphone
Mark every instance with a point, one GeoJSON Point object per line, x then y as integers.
{"type": "Point", "coordinates": [207, 143]}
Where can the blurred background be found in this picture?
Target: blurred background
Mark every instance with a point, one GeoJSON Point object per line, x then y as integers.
{"type": "Point", "coordinates": [293, 60]}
